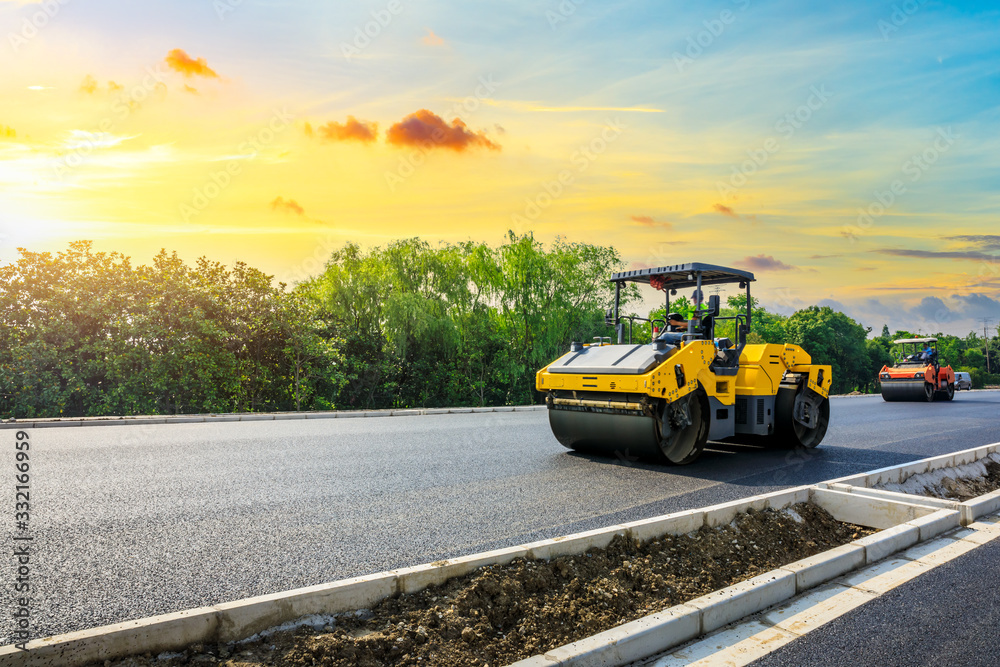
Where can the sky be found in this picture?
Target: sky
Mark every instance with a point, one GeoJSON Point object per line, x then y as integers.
{"type": "Point", "coordinates": [846, 153]}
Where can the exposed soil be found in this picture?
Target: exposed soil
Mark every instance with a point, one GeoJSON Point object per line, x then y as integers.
{"type": "Point", "coordinates": [503, 613]}
{"type": "Point", "coordinates": [961, 483]}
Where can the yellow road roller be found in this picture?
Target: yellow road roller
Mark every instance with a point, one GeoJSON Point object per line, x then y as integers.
{"type": "Point", "coordinates": [663, 401]}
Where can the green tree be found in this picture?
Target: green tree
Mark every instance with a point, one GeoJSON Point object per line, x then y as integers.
{"type": "Point", "coordinates": [878, 356]}
{"type": "Point", "coordinates": [459, 324]}
{"type": "Point", "coordinates": [974, 358]}
{"type": "Point", "coordinates": [765, 326]}
{"type": "Point", "coordinates": [833, 338]}
{"type": "Point", "coordinates": [313, 360]}
{"type": "Point", "coordinates": [949, 349]}
{"type": "Point", "coordinates": [86, 333]}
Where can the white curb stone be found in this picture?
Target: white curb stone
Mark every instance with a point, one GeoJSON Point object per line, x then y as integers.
{"type": "Point", "coordinates": [887, 542]}
{"type": "Point", "coordinates": [674, 524]}
{"type": "Point", "coordinates": [981, 506]}
{"type": "Point", "coordinates": [934, 524]}
{"type": "Point", "coordinates": [896, 495]}
{"type": "Point", "coordinates": [631, 641]}
{"type": "Point", "coordinates": [747, 597]}
{"type": "Point", "coordinates": [818, 569]}
{"type": "Point", "coordinates": [866, 510]}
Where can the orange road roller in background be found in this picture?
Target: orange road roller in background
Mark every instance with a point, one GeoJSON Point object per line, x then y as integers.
{"type": "Point", "coordinates": [917, 374]}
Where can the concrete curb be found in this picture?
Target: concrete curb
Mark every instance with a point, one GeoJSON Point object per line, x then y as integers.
{"type": "Point", "coordinates": [755, 637]}
{"type": "Point", "coordinates": [969, 510]}
{"type": "Point", "coordinates": [674, 626]}
{"type": "Point", "coordinates": [255, 416]}
{"type": "Point", "coordinates": [899, 474]}
{"type": "Point", "coordinates": [902, 497]}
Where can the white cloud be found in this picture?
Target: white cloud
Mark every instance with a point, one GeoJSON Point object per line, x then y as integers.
{"type": "Point", "coordinates": [82, 139]}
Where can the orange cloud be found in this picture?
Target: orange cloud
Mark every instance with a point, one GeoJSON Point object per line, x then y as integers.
{"type": "Point", "coordinates": [7, 132]}
{"type": "Point", "coordinates": [179, 61]}
{"type": "Point", "coordinates": [428, 130]}
{"type": "Point", "coordinates": [353, 129]}
{"type": "Point", "coordinates": [189, 89]}
{"type": "Point", "coordinates": [89, 85]}
{"type": "Point", "coordinates": [287, 206]}
{"type": "Point", "coordinates": [430, 39]}
{"type": "Point", "coordinates": [649, 221]}
{"type": "Point", "coordinates": [725, 210]}
{"type": "Point", "coordinates": [763, 263]}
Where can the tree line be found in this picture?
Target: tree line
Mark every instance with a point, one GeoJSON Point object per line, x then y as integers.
{"type": "Point", "coordinates": [831, 337]}
{"type": "Point", "coordinates": [86, 333]}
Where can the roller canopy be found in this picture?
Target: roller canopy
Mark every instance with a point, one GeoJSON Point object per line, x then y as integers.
{"type": "Point", "coordinates": [676, 275]}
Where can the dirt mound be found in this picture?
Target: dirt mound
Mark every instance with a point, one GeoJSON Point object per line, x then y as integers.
{"type": "Point", "coordinates": [967, 489]}
{"type": "Point", "coordinates": [960, 483]}
{"type": "Point", "coordinates": [503, 613]}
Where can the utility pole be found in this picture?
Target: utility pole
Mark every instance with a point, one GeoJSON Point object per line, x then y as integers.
{"type": "Point", "coordinates": [986, 339]}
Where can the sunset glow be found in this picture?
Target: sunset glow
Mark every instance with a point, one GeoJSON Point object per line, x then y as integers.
{"type": "Point", "coordinates": [845, 153]}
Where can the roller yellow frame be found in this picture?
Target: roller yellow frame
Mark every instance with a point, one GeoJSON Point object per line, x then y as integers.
{"type": "Point", "coordinates": [665, 400]}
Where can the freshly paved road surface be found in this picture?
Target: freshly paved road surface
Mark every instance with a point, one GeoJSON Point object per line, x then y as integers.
{"type": "Point", "coordinates": [132, 521]}
{"type": "Point", "coordinates": [948, 616]}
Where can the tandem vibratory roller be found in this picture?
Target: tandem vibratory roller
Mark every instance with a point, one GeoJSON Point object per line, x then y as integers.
{"type": "Point", "coordinates": [663, 401]}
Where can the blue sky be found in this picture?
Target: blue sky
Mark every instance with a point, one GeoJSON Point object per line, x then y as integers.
{"type": "Point", "coordinates": [841, 104]}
